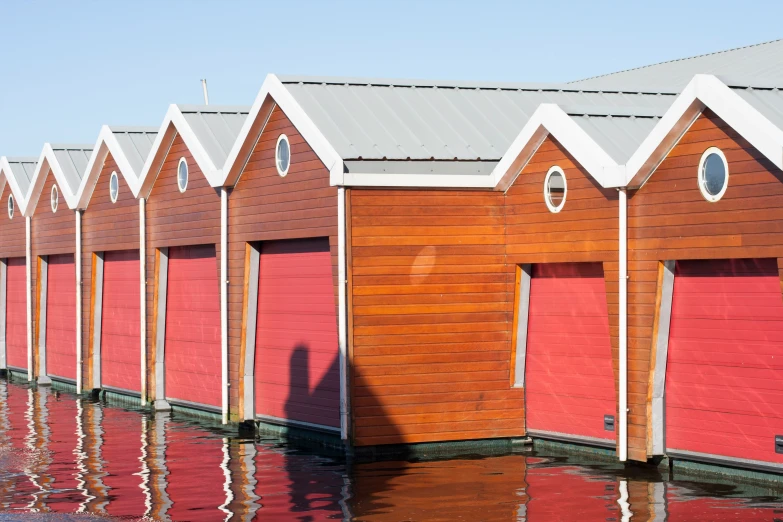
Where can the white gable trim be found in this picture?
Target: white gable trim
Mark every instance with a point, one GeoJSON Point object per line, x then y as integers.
{"type": "Point", "coordinates": [272, 92]}
{"type": "Point", "coordinates": [549, 119]}
{"type": "Point", "coordinates": [704, 90]}
{"type": "Point", "coordinates": [174, 123]}
{"type": "Point", "coordinates": [47, 162]}
{"type": "Point", "coordinates": [7, 176]}
{"type": "Point", "coordinates": [107, 143]}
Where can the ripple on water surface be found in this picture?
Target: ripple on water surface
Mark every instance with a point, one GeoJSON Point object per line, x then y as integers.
{"type": "Point", "coordinates": [64, 458]}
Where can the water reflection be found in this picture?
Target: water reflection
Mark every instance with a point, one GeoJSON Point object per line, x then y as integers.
{"type": "Point", "coordinates": [59, 454]}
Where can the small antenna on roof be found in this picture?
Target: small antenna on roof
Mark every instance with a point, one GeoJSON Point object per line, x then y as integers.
{"type": "Point", "coordinates": [206, 94]}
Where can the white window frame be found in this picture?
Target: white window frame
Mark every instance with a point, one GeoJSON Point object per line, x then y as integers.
{"type": "Point", "coordinates": [555, 208]}
{"type": "Point", "coordinates": [11, 206]}
{"type": "Point", "coordinates": [701, 179]}
{"type": "Point", "coordinates": [280, 171]}
{"type": "Point", "coordinates": [182, 161]}
{"type": "Point", "coordinates": [54, 198]}
{"type": "Point", "coordinates": [114, 176]}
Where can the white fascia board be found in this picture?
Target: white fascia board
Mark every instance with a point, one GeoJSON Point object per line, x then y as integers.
{"type": "Point", "coordinates": [549, 119]}
{"type": "Point", "coordinates": [107, 143]}
{"type": "Point", "coordinates": [254, 125]}
{"type": "Point", "coordinates": [418, 180]}
{"type": "Point", "coordinates": [704, 90]}
{"type": "Point", "coordinates": [47, 163]}
{"type": "Point", "coordinates": [174, 123]}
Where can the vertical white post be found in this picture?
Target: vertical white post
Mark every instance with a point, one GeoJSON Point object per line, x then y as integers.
{"type": "Point", "coordinates": [29, 273]}
{"type": "Point", "coordinates": [79, 355]}
{"type": "Point", "coordinates": [206, 93]}
{"type": "Point", "coordinates": [143, 298]}
{"type": "Point", "coordinates": [224, 299]}
{"type": "Point", "coordinates": [623, 314]}
{"type": "Point", "coordinates": [342, 314]}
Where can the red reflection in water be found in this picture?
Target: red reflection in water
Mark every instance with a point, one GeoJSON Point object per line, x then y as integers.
{"type": "Point", "coordinates": [121, 452]}
{"type": "Point", "coordinates": [62, 443]}
{"type": "Point", "coordinates": [682, 503]}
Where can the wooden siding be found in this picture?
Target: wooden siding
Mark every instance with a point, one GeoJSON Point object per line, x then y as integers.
{"type": "Point", "coordinates": [668, 219]}
{"type": "Point", "coordinates": [105, 226]}
{"type": "Point", "coordinates": [432, 315]}
{"type": "Point", "coordinates": [51, 233]}
{"type": "Point", "coordinates": [263, 206]}
{"type": "Point", "coordinates": [177, 218]}
{"type": "Point", "coordinates": [12, 231]}
{"type": "Point", "coordinates": [432, 280]}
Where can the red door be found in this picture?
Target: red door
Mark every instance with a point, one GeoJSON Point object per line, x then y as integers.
{"type": "Point", "coordinates": [724, 372]}
{"type": "Point", "coordinates": [16, 313]}
{"type": "Point", "coordinates": [192, 349]}
{"type": "Point", "coordinates": [568, 373]}
{"type": "Point", "coordinates": [120, 340]}
{"type": "Point", "coordinates": [61, 317]}
{"type": "Point", "coordinates": [297, 374]}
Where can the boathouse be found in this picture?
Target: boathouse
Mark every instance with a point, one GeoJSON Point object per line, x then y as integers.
{"type": "Point", "coordinates": [111, 279]}
{"type": "Point", "coordinates": [185, 205]}
{"type": "Point", "coordinates": [51, 207]}
{"type": "Point", "coordinates": [15, 350]}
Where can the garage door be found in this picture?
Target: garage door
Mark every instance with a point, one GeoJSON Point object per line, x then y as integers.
{"type": "Point", "coordinates": [724, 373]}
{"type": "Point", "coordinates": [192, 349]}
{"type": "Point", "coordinates": [61, 317]}
{"type": "Point", "coordinates": [16, 313]}
{"type": "Point", "coordinates": [569, 379]}
{"type": "Point", "coordinates": [296, 367]}
{"type": "Point", "coordinates": [120, 352]}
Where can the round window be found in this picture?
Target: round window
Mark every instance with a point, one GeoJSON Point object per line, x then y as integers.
{"type": "Point", "coordinates": [555, 189]}
{"type": "Point", "coordinates": [182, 175]}
{"type": "Point", "coordinates": [10, 206]}
{"type": "Point", "coordinates": [713, 174]}
{"type": "Point", "coordinates": [283, 155]}
{"type": "Point", "coordinates": [55, 198]}
{"type": "Point", "coordinates": [114, 187]}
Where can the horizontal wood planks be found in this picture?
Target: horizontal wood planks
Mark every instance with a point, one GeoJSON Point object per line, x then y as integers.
{"type": "Point", "coordinates": [175, 218]}
{"type": "Point", "coordinates": [106, 226]}
{"type": "Point", "coordinates": [668, 219]}
{"type": "Point", "coordinates": [263, 206]}
{"type": "Point", "coordinates": [12, 242]}
{"type": "Point", "coordinates": [432, 314]}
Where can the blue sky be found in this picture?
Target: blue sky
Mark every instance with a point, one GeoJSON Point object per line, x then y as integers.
{"type": "Point", "coordinates": [70, 66]}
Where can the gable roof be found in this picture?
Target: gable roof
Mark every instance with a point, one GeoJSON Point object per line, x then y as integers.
{"type": "Point", "coordinates": [209, 132]}
{"type": "Point", "coordinates": [18, 172]}
{"type": "Point", "coordinates": [129, 146]}
{"type": "Point", "coordinates": [441, 134]}
{"type": "Point", "coordinates": [756, 114]}
{"type": "Point", "coordinates": [68, 163]}
{"type": "Point", "coordinates": [764, 60]}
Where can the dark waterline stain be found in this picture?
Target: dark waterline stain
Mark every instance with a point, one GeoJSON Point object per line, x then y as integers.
{"type": "Point", "coordinates": [67, 458]}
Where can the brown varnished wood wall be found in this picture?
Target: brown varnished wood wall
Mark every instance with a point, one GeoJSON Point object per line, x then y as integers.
{"type": "Point", "coordinates": [12, 242]}
{"type": "Point", "coordinates": [105, 226]}
{"type": "Point", "coordinates": [432, 313]}
{"type": "Point", "coordinates": [263, 206]}
{"type": "Point", "coordinates": [668, 219]}
{"type": "Point", "coordinates": [175, 218]}
{"type": "Point", "coordinates": [51, 233]}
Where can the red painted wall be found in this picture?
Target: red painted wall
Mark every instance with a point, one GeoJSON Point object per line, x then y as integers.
{"type": "Point", "coordinates": [16, 313]}
{"type": "Point", "coordinates": [61, 317]}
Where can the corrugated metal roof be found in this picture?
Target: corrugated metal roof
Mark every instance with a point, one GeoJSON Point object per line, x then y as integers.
{"type": "Point", "coordinates": [768, 102]}
{"type": "Point", "coordinates": [402, 120]}
{"type": "Point", "coordinates": [764, 60]}
{"type": "Point", "coordinates": [618, 136]}
{"type": "Point", "coordinates": [22, 169]}
{"type": "Point", "coordinates": [136, 144]}
{"type": "Point", "coordinates": [215, 127]}
{"type": "Point", "coordinates": [73, 160]}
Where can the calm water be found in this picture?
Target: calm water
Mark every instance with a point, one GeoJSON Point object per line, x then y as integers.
{"type": "Point", "coordinates": [64, 458]}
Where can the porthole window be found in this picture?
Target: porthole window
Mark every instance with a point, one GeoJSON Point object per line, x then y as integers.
{"type": "Point", "coordinates": [713, 174]}
{"type": "Point", "coordinates": [555, 189]}
{"type": "Point", "coordinates": [283, 155]}
{"type": "Point", "coordinates": [10, 206]}
{"type": "Point", "coordinates": [114, 187]}
{"type": "Point", "coordinates": [182, 175]}
{"type": "Point", "coordinates": [54, 198]}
